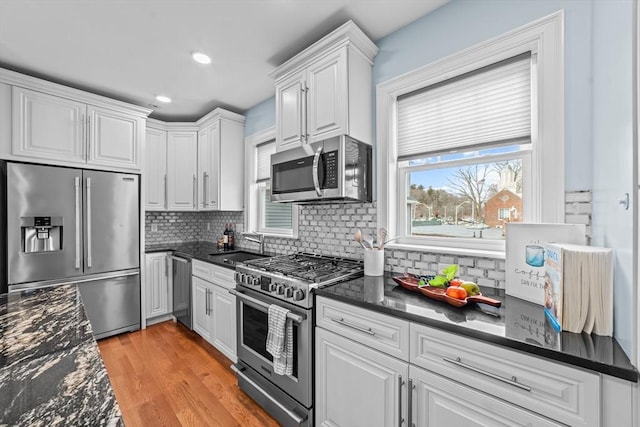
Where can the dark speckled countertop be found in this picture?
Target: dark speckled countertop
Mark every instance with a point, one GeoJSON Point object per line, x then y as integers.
{"type": "Point", "coordinates": [517, 324]}
{"type": "Point", "coordinates": [202, 251]}
{"type": "Point", "coordinates": [51, 372]}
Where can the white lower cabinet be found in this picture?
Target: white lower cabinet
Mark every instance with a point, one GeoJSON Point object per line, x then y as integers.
{"type": "Point", "coordinates": [157, 285]}
{"type": "Point", "coordinates": [356, 385]}
{"type": "Point", "coordinates": [363, 378]}
{"type": "Point", "coordinates": [214, 308]}
{"type": "Point", "coordinates": [437, 401]}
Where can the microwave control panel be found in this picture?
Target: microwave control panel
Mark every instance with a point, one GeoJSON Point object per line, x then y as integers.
{"type": "Point", "coordinates": [331, 170]}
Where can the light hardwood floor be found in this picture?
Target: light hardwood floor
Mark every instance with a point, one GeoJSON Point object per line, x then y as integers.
{"type": "Point", "coordinates": [167, 375]}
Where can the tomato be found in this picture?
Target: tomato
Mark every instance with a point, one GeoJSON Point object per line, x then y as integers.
{"type": "Point", "coordinates": [456, 292]}
{"type": "Point", "coordinates": [455, 282]}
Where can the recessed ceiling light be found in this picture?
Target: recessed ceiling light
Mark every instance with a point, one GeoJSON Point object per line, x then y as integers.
{"type": "Point", "coordinates": [201, 58]}
{"type": "Point", "coordinates": [163, 98]}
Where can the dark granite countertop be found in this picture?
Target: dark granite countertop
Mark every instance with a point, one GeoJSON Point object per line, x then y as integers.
{"type": "Point", "coordinates": [201, 250]}
{"type": "Point", "coordinates": [51, 372]}
{"type": "Point", "coordinates": [517, 324]}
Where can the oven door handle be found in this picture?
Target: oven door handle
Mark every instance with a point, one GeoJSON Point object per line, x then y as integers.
{"type": "Point", "coordinates": [295, 417]}
{"type": "Point", "coordinates": [298, 318]}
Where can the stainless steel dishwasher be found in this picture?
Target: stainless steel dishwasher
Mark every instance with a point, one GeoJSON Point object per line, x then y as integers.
{"type": "Point", "coordinates": [182, 289]}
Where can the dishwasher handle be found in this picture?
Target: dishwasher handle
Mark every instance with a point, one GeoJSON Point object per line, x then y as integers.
{"type": "Point", "coordinates": [175, 258]}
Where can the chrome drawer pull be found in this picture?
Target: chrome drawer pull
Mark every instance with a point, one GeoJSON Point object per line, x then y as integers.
{"type": "Point", "coordinates": [512, 381]}
{"type": "Point", "coordinates": [351, 325]}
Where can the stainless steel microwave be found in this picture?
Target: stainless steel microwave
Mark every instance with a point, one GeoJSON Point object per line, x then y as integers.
{"type": "Point", "coordinates": [334, 170]}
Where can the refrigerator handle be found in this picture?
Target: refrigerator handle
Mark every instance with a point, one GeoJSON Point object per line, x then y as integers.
{"type": "Point", "coordinates": [88, 222]}
{"type": "Point", "coordinates": [77, 191]}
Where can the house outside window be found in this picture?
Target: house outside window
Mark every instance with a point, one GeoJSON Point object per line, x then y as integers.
{"type": "Point", "coordinates": [472, 142]}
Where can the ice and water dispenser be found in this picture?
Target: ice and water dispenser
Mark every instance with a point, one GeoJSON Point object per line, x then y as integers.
{"type": "Point", "coordinates": [41, 234]}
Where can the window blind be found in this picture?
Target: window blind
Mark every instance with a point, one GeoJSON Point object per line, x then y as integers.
{"type": "Point", "coordinates": [263, 160]}
{"type": "Point", "coordinates": [489, 105]}
{"type": "Point", "coordinates": [276, 215]}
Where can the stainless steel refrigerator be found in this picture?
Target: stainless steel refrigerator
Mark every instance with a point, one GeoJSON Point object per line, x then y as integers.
{"type": "Point", "coordinates": [74, 225]}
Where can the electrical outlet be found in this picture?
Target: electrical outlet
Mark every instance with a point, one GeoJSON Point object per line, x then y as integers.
{"type": "Point", "coordinates": [154, 227]}
{"type": "Point", "coordinates": [208, 226]}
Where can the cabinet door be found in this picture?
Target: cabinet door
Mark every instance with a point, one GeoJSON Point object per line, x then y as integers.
{"type": "Point", "coordinates": [223, 307]}
{"type": "Point", "coordinates": [200, 307]}
{"type": "Point", "coordinates": [208, 168]}
{"type": "Point", "coordinates": [182, 166]}
{"type": "Point", "coordinates": [327, 97]}
{"type": "Point", "coordinates": [155, 171]}
{"type": "Point", "coordinates": [356, 385]}
{"type": "Point", "coordinates": [437, 401]}
{"type": "Point", "coordinates": [290, 112]}
{"type": "Point", "coordinates": [156, 283]}
{"type": "Point", "coordinates": [114, 138]}
{"type": "Point", "coordinates": [47, 127]}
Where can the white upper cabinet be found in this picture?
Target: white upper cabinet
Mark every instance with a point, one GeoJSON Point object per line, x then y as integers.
{"type": "Point", "coordinates": [182, 169]}
{"type": "Point", "coordinates": [47, 127]}
{"type": "Point", "coordinates": [221, 161]}
{"type": "Point", "coordinates": [53, 124]}
{"type": "Point", "coordinates": [155, 172]}
{"type": "Point", "coordinates": [325, 90]}
{"type": "Point", "coordinates": [114, 138]}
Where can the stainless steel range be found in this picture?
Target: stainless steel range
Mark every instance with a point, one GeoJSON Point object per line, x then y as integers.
{"type": "Point", "coordinates": [287, 281]}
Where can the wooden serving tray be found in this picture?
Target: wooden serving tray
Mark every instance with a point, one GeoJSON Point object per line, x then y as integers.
{"type": "Point", "coordinates": [411, 283]}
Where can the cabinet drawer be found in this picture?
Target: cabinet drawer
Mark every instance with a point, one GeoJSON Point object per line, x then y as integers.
{"type": "Point", "coordinates": [560, 392]}
{"type": "Point", "coordinates": [384, 333]}
{"type": "Point", "coordinates": [214, 274]}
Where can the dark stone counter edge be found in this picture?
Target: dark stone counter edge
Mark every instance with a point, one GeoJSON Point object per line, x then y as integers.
{"type": "Point", "coordinates": [629, 374]}
{"type": "Point", "coordinates": [184, 249]}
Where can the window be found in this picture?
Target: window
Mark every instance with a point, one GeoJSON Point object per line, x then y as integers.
{"type": "Point", "coordinates": [463, 144]}
{"type": "Point", "coordinates": [473, 141]}
{"type": "Point", "coordinates": [263, 215]}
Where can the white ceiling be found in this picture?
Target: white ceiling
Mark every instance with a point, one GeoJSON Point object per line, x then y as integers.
{"type": "Point", "coordinates": [133, 50]}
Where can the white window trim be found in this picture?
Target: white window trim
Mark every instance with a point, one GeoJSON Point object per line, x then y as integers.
{"type": "Point", "coordinates": [544, 38]}
{"type": "Point", "coordinates": [251, 194]}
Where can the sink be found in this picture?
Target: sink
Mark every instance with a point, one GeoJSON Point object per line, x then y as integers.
{"type": "Point", "coordinates": [234, 257]}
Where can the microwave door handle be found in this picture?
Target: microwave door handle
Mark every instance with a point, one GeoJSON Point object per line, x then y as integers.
{"type": "Point", "coordinates": [316, 161]}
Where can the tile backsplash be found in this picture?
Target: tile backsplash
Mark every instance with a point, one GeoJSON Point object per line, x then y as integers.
{"type": "Point", "coordinates": [328, 229]}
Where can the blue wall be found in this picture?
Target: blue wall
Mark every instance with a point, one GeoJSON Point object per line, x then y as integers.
{"type": "Point", "coordinates": [595, 30]}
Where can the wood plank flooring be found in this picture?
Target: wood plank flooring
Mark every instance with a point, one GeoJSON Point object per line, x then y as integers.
{"type": "Point", "coordinates": [167, 375]}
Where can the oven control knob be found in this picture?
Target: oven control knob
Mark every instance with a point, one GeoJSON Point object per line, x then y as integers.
{"type": "Point", "coordinates": [272, 287]}
{"type": "Point", "coordinates": [255, 281]}
{"type": "Point", "coordinates": [288, 291]}
{"type": "Point", "coordinates": [280, 289]}
{"type": "Point", "coordinates": [239, 277]}
{"type": "Point", "coordinates": [298, 295]}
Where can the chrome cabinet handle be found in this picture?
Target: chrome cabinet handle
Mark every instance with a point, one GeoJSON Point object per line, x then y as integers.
{"type": "Point", "coordinates": [351, 325]}
{"type": "Point", "coordinates": [166, 187]}
{"type": "Point", "coordinates": [77, 190]}
{"type": "Point", "coordinates": [195, 191]}
{"type": "Point", "coordinates": [166, 266]}
{"type": "Point", "coordinates": [89, 222]}
{"type": "Point", "coordinates": [400, 384]}
{"type": "Point", "coordinates": [511, 381]}
{"type": "Point", "coordinates": [206, 302]}
{"type": "Point", "coordinates": [204, 189]}
{"type": "Point", "coordinates": [303, 113]}
{"type": "Point", "coordinates": [314, 170]}
{"type": "Point", "coordinates": [410, 403]}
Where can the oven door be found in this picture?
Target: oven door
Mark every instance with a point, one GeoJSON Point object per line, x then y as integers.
{"type": "Point", "coordinates": [253, 325]}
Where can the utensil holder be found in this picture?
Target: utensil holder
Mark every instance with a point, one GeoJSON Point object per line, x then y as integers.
{"type": "Point", "coordinates": [374, 262]}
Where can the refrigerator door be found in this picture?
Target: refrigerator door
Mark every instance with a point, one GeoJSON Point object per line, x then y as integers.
{"type": "Point", "coordinates": [44, 228]}
{"type": "Point", "coordinates": [111, 221]}
{"type": "Point", "coordinates": [112, 304]}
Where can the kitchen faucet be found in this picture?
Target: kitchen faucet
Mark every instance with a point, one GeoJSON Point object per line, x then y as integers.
{"type": "Point", "coordinates": [259, 238]}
